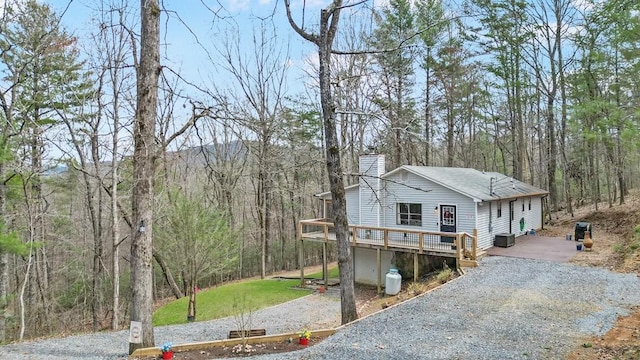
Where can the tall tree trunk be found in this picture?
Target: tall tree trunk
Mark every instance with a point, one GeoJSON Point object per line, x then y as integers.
{"type": "Point", "coordinates": [334, 167]}
{"type": "Point", "coordinates": [144, 157]}
{"type": "Point", "coordinates": [4, 256]}
{"type": "Point", "coordinates": [23, 286]}
{"type": "Point", "coordinates": [115, 232]}
{"type": "Point", "coordinates": [263, 221]}
{"type": "Point", "coordinates": [4, 292]}
{"type": "Point", "coordinates": [427, 110]}
{"type": "Point", "coordinates": [563, 115]}
{"type": "Point", "coordinates": [115, 218]}
{"type": "Point", "coordinates": [552, 151]}
{"type": "Point", "coordinates": [329, 18]}
{"type": "Point", "coordinates": [95, 207]}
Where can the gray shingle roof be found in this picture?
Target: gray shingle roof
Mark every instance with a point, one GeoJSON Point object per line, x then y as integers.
{"type": "Point", "coordinates": [473, 183]}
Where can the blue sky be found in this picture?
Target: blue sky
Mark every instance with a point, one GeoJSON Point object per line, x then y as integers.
{"type": "Point", "coordinates": [183, 53]}
{"type": "Point", "coordinates": [190, 33]}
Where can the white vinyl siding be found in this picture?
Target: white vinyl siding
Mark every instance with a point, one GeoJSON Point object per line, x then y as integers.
{"type": "Point", "coordinates": [532, 218]}
{"type": "Point", "coordinates": [380, 208]}
{"type": "Point", "coordinates": [500, 224]}
{"type": "Point", "coordinates": [371, 168]}
{"type": "Point", "coordinates": [405, 187]}
{"type": "Point", "coordinates": [352, 197]}
{"type": "Point", "coordinates": [485, 237]}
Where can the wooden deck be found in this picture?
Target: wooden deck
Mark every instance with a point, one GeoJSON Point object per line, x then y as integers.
{"type": "Point", "coordinates": [462, 246]}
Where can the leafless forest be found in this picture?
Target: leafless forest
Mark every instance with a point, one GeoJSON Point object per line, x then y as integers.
{"type": "Point", "coordinates": [211, 188]}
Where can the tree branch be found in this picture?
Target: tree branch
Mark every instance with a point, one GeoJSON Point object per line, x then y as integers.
{"type": "Point", "coordinates": [305, 35]}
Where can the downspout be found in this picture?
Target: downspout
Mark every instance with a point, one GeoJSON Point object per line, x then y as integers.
{"type": "Point", "coordinates": [490, 220]}
{"type": "Point", "coordinates": [512, 210]}
{"type": "Point", "coordinates": [542, 211]}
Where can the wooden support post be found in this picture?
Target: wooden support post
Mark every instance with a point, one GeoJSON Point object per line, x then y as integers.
{"type": "Point", "coordinates": [325, 272]}
{"type": "Point", "coordinates": [386, 239]}
{"type": "Point", "coordinates": [379, 264]}
{"type": "Point", "coordinates": [354, 235]}
{"type": "Point", "coordinates": [415, 267]}
{"type": "Point", "coordinates": [301, 260]}
{"type": "Point", "coordinates": [421, 243]}
{"type": "Point", "coordinates": [474, 246]}
{"type": "Point", "coordinates": [458, 245]}
{"type": "Point", "coordinates": [326, 232]}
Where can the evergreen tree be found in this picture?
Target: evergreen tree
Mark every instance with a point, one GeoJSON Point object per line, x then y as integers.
{"type": "Point", "coordinates": [42, 67]}
{"type": "Point", "coordinates": [431, 24]}
{"type": "Point", "coordinates": [394, 42]}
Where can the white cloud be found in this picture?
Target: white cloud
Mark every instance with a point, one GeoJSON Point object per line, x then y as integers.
{"type": "Point", "coordinates": [237, 5]}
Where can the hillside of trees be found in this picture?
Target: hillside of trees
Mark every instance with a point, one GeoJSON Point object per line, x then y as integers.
{"type": "Point", "coordinates": [544, 91]}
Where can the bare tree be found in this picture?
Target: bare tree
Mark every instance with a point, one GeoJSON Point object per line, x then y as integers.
{"type": "Point", "coordinates": [144, 157]}
{"type": "Point", "coordinates": [553, 18]}
{"type": "Point", "coordinates": [117, 50]}
{"type": "Point", "coordinates": [146, 152]}
{"type": "Point", "coordinates": [329, 18]}
{"type": "Point", "coordinates": [260, 77]}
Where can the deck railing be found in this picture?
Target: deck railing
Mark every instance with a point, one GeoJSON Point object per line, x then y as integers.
{"type": "Point", "coordinates": [449, 244]}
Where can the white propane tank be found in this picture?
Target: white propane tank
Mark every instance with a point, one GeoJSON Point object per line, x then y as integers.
{"type": "Point", "coordinates": [393, 282]}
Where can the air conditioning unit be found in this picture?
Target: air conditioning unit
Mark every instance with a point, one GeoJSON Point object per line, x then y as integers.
{"type": "Point", "coordinates": [504, 240]}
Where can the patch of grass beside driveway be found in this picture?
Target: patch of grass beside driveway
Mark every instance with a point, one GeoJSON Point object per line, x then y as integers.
{"type": "Point", "coordinates": [334, 273]}
{"type": "Point", "coordinates": [229, 300]}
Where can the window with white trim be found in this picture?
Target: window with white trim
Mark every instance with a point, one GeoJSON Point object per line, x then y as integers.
{"type": "Point", "coordinates": [409, 214]}
{"type": "Point", "coordinates": [499, 210]}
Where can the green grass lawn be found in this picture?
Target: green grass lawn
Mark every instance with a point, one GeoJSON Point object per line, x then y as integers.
{"type": "Point", "coordinates": [229, 300]}
{"type": "Point", "coordinates": [235, 298]}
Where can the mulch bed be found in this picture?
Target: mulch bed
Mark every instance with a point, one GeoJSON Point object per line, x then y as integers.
{"type": "Point", "coordinates": [273, 347]}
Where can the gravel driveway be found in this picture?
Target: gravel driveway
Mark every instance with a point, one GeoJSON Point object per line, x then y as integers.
{"type": "Point", "coordinates": [507, 308]}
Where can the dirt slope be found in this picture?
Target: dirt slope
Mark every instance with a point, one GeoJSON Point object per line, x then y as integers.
{"type": "Point", "coordinates": [616, 248]}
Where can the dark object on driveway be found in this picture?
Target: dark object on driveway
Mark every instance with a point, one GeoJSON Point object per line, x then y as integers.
{"type": "Point", "coordinates": [504, 240]}
{"type": "Point", "coordinates": [582, 228]}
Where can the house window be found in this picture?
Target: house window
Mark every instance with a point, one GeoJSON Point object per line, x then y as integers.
{"type": "Point", "coordinates": [409, 214]}
{"type": "Point", "coordinates": [529, 204]}
{"type": "Point", "coordinates": [499, 209]}
{"type": "Point", "coordinates": [522, 205]}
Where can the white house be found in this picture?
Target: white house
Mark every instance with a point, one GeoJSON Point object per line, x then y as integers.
{"type": "Point", "coordinates": [435, 199]}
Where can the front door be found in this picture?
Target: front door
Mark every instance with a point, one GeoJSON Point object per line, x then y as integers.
{"type": "Point", "coordinates": [448, 222]}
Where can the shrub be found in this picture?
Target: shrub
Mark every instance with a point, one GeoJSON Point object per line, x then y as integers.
{"type": "Point", "coordinates": [444, 276]}
{"type": "Point", "coordinates": [416, 288]}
